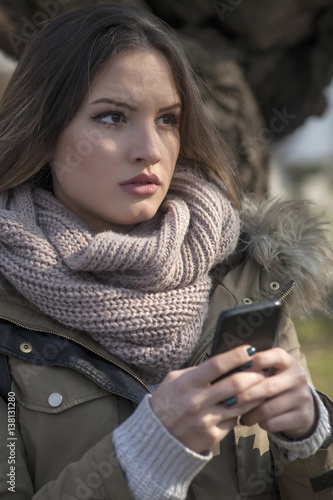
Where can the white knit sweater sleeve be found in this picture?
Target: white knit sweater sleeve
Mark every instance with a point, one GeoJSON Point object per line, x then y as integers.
{"type": "Point", "coordinates": [156, 464]}
{"type": "Point", "coordinates": [307, 447]}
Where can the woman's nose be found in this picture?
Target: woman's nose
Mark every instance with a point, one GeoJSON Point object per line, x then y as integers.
{"type": "Point", "coordinates": [145, 145]}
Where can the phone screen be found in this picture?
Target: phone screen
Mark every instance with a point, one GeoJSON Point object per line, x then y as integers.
{"type": "Point", "coordinates": [254, 324]}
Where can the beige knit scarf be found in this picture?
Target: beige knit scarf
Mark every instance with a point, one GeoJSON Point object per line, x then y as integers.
{"type": "Point", "coordinates": [142, 295]}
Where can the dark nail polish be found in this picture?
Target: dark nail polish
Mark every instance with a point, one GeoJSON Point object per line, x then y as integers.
{"type": "Point", "coordinates": [231, 401]}
{"type": "Point", "coordinates": [246, 365]}
{"type": "Point", "coordinates": [241, 421]}
{"type": "Point", "coordinates": [251, 350]}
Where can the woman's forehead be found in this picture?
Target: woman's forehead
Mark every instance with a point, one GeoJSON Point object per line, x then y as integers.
{"type": "Point", "coordinates": [134, 76]}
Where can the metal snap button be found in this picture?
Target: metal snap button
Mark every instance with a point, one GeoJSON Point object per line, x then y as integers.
{"type": "Point", "coordinates": [55, 399]}
{"type": "Point", "coordinates": [247, 301]}
{"type": "Point", "coordinates": [26, 347]}
{"type": "Point", "coordinates": [274, 285]}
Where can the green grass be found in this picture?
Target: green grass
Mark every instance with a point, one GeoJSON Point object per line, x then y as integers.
{"type": "Point", "coordinates": [316, 339]}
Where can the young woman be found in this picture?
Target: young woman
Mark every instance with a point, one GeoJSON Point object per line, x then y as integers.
{"type": "Point", "coordinates": [120, 245]}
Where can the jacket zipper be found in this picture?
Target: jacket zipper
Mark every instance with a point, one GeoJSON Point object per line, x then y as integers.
{"type": "Point", "coordinates": [203, 354]}
{"type": "Point", "coordinates": [79, 343]}
{"type": "Point", "coordinates": [282, 298]}
{"type": "Point", "coordinates": [290, 288]}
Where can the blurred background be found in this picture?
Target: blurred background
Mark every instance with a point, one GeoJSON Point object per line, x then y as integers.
{"type": "Point", "coordinates": [267, 70]}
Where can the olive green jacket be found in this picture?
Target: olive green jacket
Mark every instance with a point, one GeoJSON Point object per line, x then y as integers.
{"type": "Point", "coordinates": [60, 447]}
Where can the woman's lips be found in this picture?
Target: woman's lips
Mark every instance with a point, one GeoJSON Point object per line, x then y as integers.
{"type": "Point", "coordinates": [141, 185]}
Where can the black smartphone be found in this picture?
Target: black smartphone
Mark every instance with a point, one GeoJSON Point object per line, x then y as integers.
{"type": "Point", "coordinates": [254, 324]}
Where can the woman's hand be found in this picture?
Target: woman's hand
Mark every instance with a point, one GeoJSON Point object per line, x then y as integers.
{"type": "Point", "coordinates": [287, 404]}
{"type": "Point", "coordinates": [195, 411]}
{"type": "Point", "coordinates": [200, 413]}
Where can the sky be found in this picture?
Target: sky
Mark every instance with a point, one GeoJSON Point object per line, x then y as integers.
{"type": "Point", "coordinates": [313, 141]}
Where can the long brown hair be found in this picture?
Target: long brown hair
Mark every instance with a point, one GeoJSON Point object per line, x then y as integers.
{"type": "Point", "coordinates": [55, 74]}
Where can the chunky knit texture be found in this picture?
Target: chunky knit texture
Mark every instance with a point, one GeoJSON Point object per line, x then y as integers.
{"type": "Point", "coordinates": [142, 295]}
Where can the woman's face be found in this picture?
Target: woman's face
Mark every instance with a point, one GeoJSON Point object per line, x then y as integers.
{"type": "Point", "coordinates": [113, 164]}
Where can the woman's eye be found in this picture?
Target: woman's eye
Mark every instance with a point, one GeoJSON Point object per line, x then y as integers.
{"type": "Point", "coordinates": [110, 118]}
{"type": "Point", "coordinates": [168, 120]}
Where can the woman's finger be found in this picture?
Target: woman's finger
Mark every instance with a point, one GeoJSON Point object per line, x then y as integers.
{"type": "Point", "coordinates": [275, 358]}
{"type": "Point", "coordinates": [221, 364]}
{"type": "Point", "coordinates": [292, 412]}
{"type": "Point", "coordinates": [230, 389]}
{"type": "Point", "coordinates": [298, 425]}
{"type": "Point", "coordinates": [270, 387]}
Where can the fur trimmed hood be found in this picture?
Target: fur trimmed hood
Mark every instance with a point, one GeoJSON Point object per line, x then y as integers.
{"type": "Point", "coordinates": [289, 237]}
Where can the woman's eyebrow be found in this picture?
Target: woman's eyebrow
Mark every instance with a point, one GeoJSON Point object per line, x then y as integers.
{"type": "Point", "coordinates": [114, 101]}
{"type": "Point", "coordinates": [133, 108]}
{"type": "Point", "coordinates": [169, 108]}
